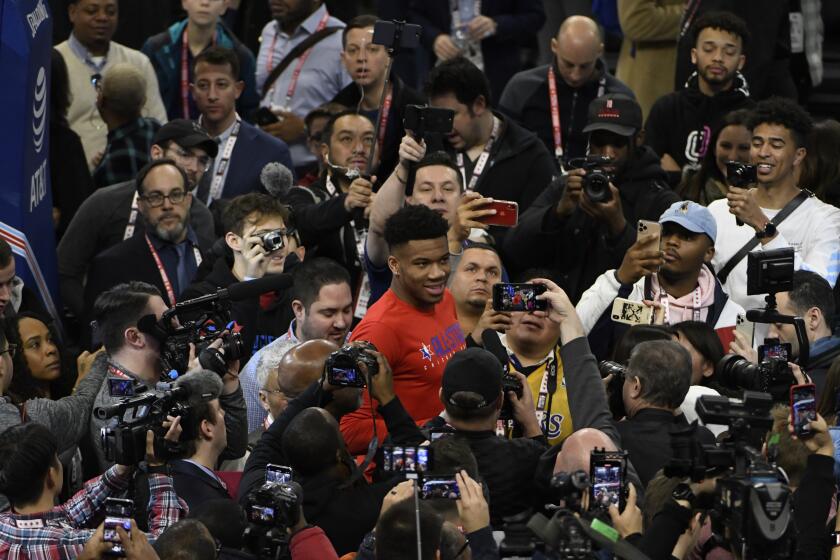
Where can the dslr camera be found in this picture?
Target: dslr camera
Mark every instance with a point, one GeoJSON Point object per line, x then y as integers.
{"type": "Point", "coordinates": [271, 510]}
{"type": "Point", "coordinates": [509, 383]}
{"type": "Point", "coordinates": [771, 375]}
{"type": "Point", "coordinates": [342, 366]}
{"type": "Point", "coordinates": [596, 182]}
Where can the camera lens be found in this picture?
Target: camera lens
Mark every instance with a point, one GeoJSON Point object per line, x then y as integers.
{"type": "Point", "coordinates": [596, 186]}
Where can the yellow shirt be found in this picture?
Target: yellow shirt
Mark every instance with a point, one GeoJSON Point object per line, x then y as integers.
{"type": "Point", "coordinates": [559, 420]}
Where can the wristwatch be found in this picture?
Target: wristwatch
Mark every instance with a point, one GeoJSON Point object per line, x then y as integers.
{"type": "Point", "coordinates": [768, 231]}
{"type": "Point", "coordinates": [683, 492]}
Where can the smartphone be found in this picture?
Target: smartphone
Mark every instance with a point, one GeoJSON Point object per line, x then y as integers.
{"type": "Point", "coordinates": [265, 116]}
{"type": "Point", "coordinates": [440, 487]}
{"type": "Point", "coordinates": [746, 328]}
{"type": "Point", "coordinates": [650, 229]}
{"type": "Point", "coordinates": [118, 387]}
{"type": "Point", "coordinates": [507, 213]}
{"type": "Point", "coordinates": [278, 473]}
{"type": "Point", "coordinates": [631, 312]}
{"type": "Point", "coordinates": [397, 458]}
{"type": "Point", "coordinates": [518, 297]}
{"type": "Point", "coordinates": [803, 406]}
{"type": "Point", "coordinates": [345, 377]}
{"type": "Point", "coordinates": [110, 534]}
{"type": "Point", "coordinates": [607, 473]}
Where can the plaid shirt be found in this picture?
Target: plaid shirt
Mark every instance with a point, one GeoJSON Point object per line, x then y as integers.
{"type": "Point", "coordinates": [127, 151]}
{"type": "Point", "coordinates": [60, 533]}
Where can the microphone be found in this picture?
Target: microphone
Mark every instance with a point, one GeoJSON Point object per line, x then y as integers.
{"type": "Point", "coordinates": [493, 344]}
{"type": "Point", "coordinates": [198, 386]}
{"type": "Point", "coordinates": [255, 288]}
{"type": "Point", "coordinates": [277, 179]}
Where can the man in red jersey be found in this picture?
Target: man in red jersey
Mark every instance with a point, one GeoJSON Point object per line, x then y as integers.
{"type": "Point", "coordinates": [413, 325]}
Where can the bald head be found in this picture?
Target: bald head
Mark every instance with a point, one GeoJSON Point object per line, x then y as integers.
{"type": "Point", "coordinates": [577, 449]}
{"type": "Point", "coordinates": [302, 365]}
{"type": "Point", "coordinates": [577, 48]}
{"type": "Point", "coordinates": [123, 91]}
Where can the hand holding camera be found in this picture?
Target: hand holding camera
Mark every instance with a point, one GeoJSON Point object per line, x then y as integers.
{"type": "Point", "coordinates": [360, 194]}
{"type": "Point", "coordinates": [382, 383]}
{"type": "Point", "coordinates": [629, 521]}
{"type": "Point", "coordinates": [572, 192]}
{"type": "Point", "coordinates": [561, 310]}
{"type": "Point", "coordinates": [255, 256]}
{"type": "Point", "coordinates": [491, 319]}
{"type": "Point", "coordinates": [742, 205]}
{"type": "Point", "coordinates": [411, 151]}
{"type": "Point", "coordinates": [523, 406]}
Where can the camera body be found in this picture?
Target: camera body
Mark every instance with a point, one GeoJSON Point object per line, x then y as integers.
{"type": "Point", "coordinates": [342, 366]}
{"type": "Point", "coordinates": [740, 175]}
{"type": "Point", "coordinates": [271, 510]}
{"type": "Point", "coordinates": [124, 439]}
{"type": "Point", "coordinates": [422, 120]}
{"type": "Point", "coordinates": [568, 489]}
{"type": "Point", "coordinates": [596, 182]}
{"type": "Point", "coordinates": [273, 240]}
{"type": "Point", "coordinates": [396, 35]}
{"type": "Point", "coordinates": [771, 375]}
{"type": "Point", "coordinates": [509, 383]}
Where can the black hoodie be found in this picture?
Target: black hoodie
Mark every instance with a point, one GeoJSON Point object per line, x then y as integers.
{"type": "Point", "coordinates": [579, 248]}
{"type": "Point", "coordinates": [681, 122]}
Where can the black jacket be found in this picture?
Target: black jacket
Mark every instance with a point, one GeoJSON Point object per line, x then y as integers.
{"type": "Point", "coordinates": [345, 513]}
{"type": "Point", "coordinates": [518, 22]}
{"type": "Point", "coordinates": [647, 438]}
{"type": "Point", "coordinates": [526, 100]}
{"type": "Point", "coordinates": [394, 131]}
{"type": "Point", "coordinates": [259, 326]}
{"type": "Point", "coordinates": [811, 507]}
{"type": "Point", "coordinates": [519, 169]}
{"type": "Point", "coordinates": [578, 248]}
{"type": "Point", "coordinates": [680, 123]}
{"type": "Point", "coordinates": [326, 227]}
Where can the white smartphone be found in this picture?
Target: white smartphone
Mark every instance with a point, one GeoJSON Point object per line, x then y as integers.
{"type": "Point", "coordinates": [746, 328]}
{"type": "Point", "coordinates": [631, 312]}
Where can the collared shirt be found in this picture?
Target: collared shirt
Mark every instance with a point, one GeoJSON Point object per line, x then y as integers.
{"type": "Point", "coordinates": [179, 262]}
{"type": "Point", "coordinates": [60, 534]}
{"type": "Point", "coordinates": [207, 471]}
{"type": "Point", "coordinates": [321, 77]}
{"type": "Point", "coordinates": [127, 151]}
{"type": "Point", "coordinates": [95, 63]}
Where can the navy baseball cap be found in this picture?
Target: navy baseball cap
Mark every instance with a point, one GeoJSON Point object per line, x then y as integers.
{"type": "Point", "coordinates": [473, 370]}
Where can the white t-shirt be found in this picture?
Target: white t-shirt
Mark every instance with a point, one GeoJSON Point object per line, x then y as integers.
{"type": "Point", "coordinates": [813, 230]}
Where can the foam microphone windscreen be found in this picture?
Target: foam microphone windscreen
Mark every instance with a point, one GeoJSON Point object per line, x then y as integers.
{"type": "Point", "coordinates": [277, 179]}
{"type": "Point", "coordinates": [200, 385]}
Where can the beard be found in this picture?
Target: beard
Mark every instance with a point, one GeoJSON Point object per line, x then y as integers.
{"type": "Point", "coordinates": [172, 234]}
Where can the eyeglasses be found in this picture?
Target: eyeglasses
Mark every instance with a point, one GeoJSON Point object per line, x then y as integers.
{"type": "Point", "coordinates": [155, 199]}
{"type": "Point", "coordinates": [11, 349]}
{"type": "Point", "coordinates": [184, 156]}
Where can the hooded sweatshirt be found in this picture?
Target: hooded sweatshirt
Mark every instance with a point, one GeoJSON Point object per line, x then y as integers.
{"type": "Point", "coordinates": [680, 123]}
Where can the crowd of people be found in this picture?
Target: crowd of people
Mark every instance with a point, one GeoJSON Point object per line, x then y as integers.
{"type": "Point", "coordinates": [290, 275]}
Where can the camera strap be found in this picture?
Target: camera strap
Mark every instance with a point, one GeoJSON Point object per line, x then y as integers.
{"type": "Point", "coordinates": [481, 162]}
{"type": "Point", "coordinates": [554, 104]}
{"type": "Point", "coordinates": [730, 265]}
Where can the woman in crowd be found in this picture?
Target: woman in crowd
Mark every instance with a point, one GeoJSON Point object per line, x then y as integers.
{"type": "Point", "coordinates": [821, 166]}
{"type": "Point", "coordinates": [729, 142]}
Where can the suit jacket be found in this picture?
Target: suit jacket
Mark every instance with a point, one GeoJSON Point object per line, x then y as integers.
{"type": "Point", "coordinates": [253, 149]}
{"type": "Point", "coordinates": [195, 486]}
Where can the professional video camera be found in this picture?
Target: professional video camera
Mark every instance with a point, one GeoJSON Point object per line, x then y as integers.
{"type": "Point", "coordinates": [752, 503]}
{"type": "Point", "coordinates": [201, 321]}
{"type": "Point", "coordinates": [596, 182]}
{"type": "Point", "coordinates": [272, 509]}
{"type": "Point", "coordinates": [771, 375]}
{"type": "Point", "coordinates": [124, 439]}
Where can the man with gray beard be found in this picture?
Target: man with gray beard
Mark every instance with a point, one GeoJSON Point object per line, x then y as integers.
{"type": "Point", "coordinates": [168, 254]}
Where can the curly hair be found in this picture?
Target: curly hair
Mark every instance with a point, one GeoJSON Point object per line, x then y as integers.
{"type": "Point", "coordinates": [784, 112]}
{"type": "Point", "coordinates": [413, 222]}
{"type": "Point", "coordinates": [24, 386]}
{"type": "Point", "coordinates": [725, 21]}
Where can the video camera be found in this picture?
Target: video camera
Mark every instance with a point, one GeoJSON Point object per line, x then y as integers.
{"type": "Point", "coordinates": [751, 509]}
{"type": "Point", "coordinates": [272, 509]}
{"type": "Point", "coordinates": [201, 321]}
{"type": "Point", "coordinates": [596, 182]}
{"type": "Point", "coordinates": [124, 439]}
{"type": "Point", "coordinates": [771, 375]}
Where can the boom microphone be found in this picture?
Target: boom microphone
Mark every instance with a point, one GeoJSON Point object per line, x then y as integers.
{"type": "Point", "coordinates": [201, 385]}
{"type": "Point", "coordinates": [277, 179]}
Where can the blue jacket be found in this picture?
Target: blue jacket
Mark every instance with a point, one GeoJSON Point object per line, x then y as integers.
{"type": "Point", "coordinates": [253, 149]}
{"type": "Point", "coordinates": [164, 50]}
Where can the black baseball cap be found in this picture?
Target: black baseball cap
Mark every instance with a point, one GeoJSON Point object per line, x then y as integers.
{"type": "Point", "coordinates": [616, 113]}
{"type": "Point", "coordinates": [188, 134]}
{"type": "Point", "coordinates": [475, 370]}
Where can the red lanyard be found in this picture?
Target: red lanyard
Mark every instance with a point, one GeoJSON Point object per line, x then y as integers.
{"type": "Point", "coordinates": [383, 123]}
{"type": "Point", "coordinates": [117, 372]}
{"type": "Point", "coordinates": [555, 114]}
{"type": "Point", "coordinates": [185, 74]}
{"type": "Point", "coordinates": [170, 293]}
{"type": "Point", "coordinates": [482, 159]}
{"type": "Point", "coordinates": [296, 74]}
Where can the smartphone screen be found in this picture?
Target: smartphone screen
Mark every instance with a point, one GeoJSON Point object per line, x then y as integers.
{"type": "Point", "coordinates": [777, 350]}
{"type": "Point", "coordinates": [445, 488]}
{"type": "Point", "coordinates": [607, 484]}
{"type": "Point", "coordinates": [110, 533]}
{"type": "Point", "coordinates": [422, 459]}
{"type": "Point", "coordinates": [278, 473]}
{"type": "Point", "coordinates": [803, 406]}
{"type": "Point", "coordinates": [518, 297]}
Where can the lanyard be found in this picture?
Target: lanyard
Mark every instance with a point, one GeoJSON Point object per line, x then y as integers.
{"type": "Point", "coordinates": [548, 386]}
{"type": "Point", "coordinates": [217, 185]}
{"type": "Point", "coordinates": [383, 122]}
{"type": "Point", "coordinates": [482, 159]}
{"type": "Point", "coordinates": [664, 299]}
{"type": "Point", "coordinates": [554, 102]}
{"type": "Point", "coordinates": [269, 64]}
{"type": "Point", "coordinates": [132, 218]}
{"type": "Point", "coordinates": [114, 371]}
{"type": "Point", "coordinates": [185, 74]}
{"type": "Point", "coordinates": [170, 293]}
